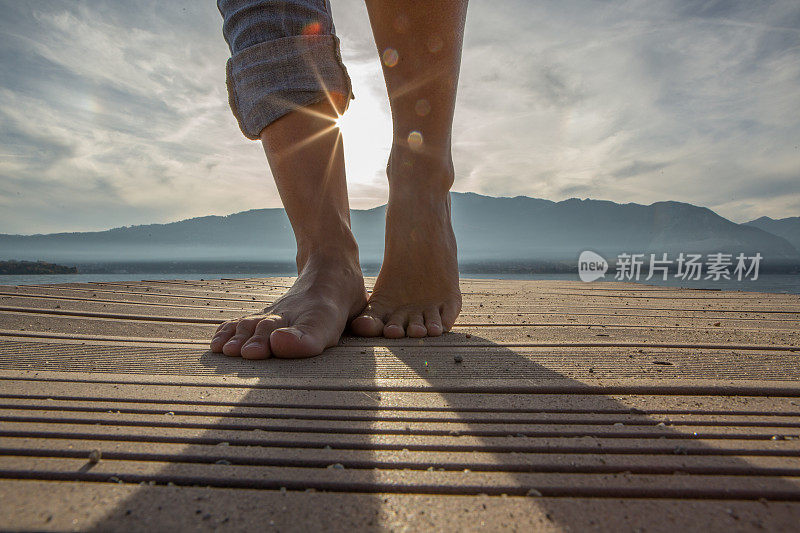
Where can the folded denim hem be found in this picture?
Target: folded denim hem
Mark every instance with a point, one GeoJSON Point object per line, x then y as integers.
{"type": "Point", "coordinates": [270, 79]}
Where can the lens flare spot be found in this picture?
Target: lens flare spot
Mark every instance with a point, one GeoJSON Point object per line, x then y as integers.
{"type": "Point", "coordinates": [415, 140]}
{"type": "Point", "coordinates": [390, 57]}
{"type": "Point", "coordinates": [435, 44]}
{"type": "Point", "coordinates": [422, 107]}
{"type": "Point", "coordinates": [312, 28]}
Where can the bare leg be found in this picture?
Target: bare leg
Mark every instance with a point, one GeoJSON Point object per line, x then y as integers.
{"type": "Point", "coordinates": [417, 292]}
{"type": "Point", "coordinates": [305, 153]}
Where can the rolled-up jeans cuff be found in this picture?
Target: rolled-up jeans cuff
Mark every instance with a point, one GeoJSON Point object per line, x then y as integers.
{"type": "Point", "coordinates": [270, 79]}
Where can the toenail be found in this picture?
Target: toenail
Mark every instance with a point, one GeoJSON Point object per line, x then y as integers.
{"type": "Point", "coordinates": [252, 343]}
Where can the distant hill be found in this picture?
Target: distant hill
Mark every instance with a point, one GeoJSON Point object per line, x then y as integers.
{"type": "Point", "coordinates": [488, 229]}
{"type": "Point", "coordinates": [38, 267]}
{"type": "Point", "coordinates": [788, 228]}
{"type": "Point", "coordinates": [524, 227]}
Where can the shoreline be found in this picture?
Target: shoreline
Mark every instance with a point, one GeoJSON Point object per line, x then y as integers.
{"type": "Point", "coordinates": [767, 283]}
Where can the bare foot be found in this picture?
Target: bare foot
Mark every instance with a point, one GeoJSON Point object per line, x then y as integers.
{"type": "Point", "coordinates": [417, 291]}
{"type": "Point", "coordinates": [305, 153]}
{"type": "Point", "coordinates": [307, 319]}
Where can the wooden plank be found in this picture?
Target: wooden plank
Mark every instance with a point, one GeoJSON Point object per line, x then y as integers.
{"type": "Point", "coordinates": [636, 363]}
{"type": "Point", "coordinates": [199, 314]}
{"type": "Point", "coordinates": [770, 304]}
{"type": "Point", "coordinates": [210, 309]}
{"type": "Point", "coordinates": [622, 415]}
{"type": "Point", "coordinates": [127, 507]}
{"type": "Point", "coordinates": [626, 485]}
{"type": "Point", "coordinates": [667, 442]}
{"type": "Point", "coordinates": [153, 327]}
{"type": "Point", "coordinates": [604, 462]}
{"type": "Point", "coordinates": [229, 392]}
{"type": "Point", "coordinates": [517, 320]}
{"type": "Point", "coordinates": [383, 427]}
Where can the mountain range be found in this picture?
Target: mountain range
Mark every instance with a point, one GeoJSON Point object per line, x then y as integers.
{"type": "Point", "coordinates": [488, 229]}
{"type": "Point", "coordinates": [788, 228]}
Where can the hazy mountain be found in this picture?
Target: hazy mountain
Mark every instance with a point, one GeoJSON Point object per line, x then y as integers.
{"type": "Point", "coordinates": [488, 229]}
{"type": "Point", "coordinates": [524, 227]}
{"type": "Point", "coordinates": [788, 228]}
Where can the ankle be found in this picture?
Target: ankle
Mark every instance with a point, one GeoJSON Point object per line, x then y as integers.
{"type": "Point", "coordinates": [333, 248]}
{"type": "Point", "coordinates": [420, 173]}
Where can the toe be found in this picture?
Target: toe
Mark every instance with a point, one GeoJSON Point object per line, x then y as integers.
{"type": "Point", "coordinates": [244, 330]}
{"type": "Point", "coordinates": [294, 342]}
{"type": "Point", "coordinates": [368, 323]}
{"type": "Point", "coordinates": [449, 313]}
{"type": "Point", "coordinates": [395, 326]}
{"type": "Point", "coordinates": [222, 335]}
{"type": "Point", "coordinates": [416, 325]}
{"type": "Point", "coordinates": [257, 347]}
{"type": "Point", "coordinates": [433, 322]}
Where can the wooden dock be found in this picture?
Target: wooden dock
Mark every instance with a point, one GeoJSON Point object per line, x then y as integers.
{"type": "Point", "coordinates": [550, 406]}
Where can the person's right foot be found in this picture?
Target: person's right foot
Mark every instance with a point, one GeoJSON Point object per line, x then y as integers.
{"type": "Point", "coordinates": [306, 156]}
{"type": "Point", "coordinates": [309, 318]}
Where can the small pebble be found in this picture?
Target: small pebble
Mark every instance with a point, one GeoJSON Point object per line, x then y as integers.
{"type": "Point", "coordinates": [223, 462]}
{"type": "Point", "coordinates": [337, 466]}
{"type": "Point", "coordinates": [458, 358]}
{"type": "Point", "coordinates": [533, 492]}
{"type": "Point", "coordinates": [468, 335]}
{"type": "Point", "coordinates": [94, 456]}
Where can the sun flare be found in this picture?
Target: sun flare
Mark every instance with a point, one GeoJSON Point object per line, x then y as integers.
{"type": "Point", "coordinates": [345, 124]}
{"type": "Point", "coordinates": [367, 136]}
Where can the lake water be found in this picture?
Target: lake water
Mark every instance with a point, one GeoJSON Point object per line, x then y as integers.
{"type": "Point", "coordinates": [779, 283]}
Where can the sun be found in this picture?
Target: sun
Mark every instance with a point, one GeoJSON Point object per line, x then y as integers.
{"type": "Point", "coordinates": [346, 124]}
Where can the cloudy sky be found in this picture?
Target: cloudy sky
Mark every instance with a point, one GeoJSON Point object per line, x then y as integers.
{"type": "Point", "coordinates": [115, 113]}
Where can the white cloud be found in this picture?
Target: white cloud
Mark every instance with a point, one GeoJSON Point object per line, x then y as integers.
{"type": "Point", "coordinates": [116, 113]}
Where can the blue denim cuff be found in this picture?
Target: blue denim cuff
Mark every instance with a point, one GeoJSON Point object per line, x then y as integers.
{"type": "Point", "coordinates": [270, 79]}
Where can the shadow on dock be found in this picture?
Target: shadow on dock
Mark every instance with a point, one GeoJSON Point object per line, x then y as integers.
{"type": "Point", "coordinates": [541, 446]}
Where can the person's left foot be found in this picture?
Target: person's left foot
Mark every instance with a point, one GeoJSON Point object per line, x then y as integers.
{"type": "Point", "coordinates": [416, 293]}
